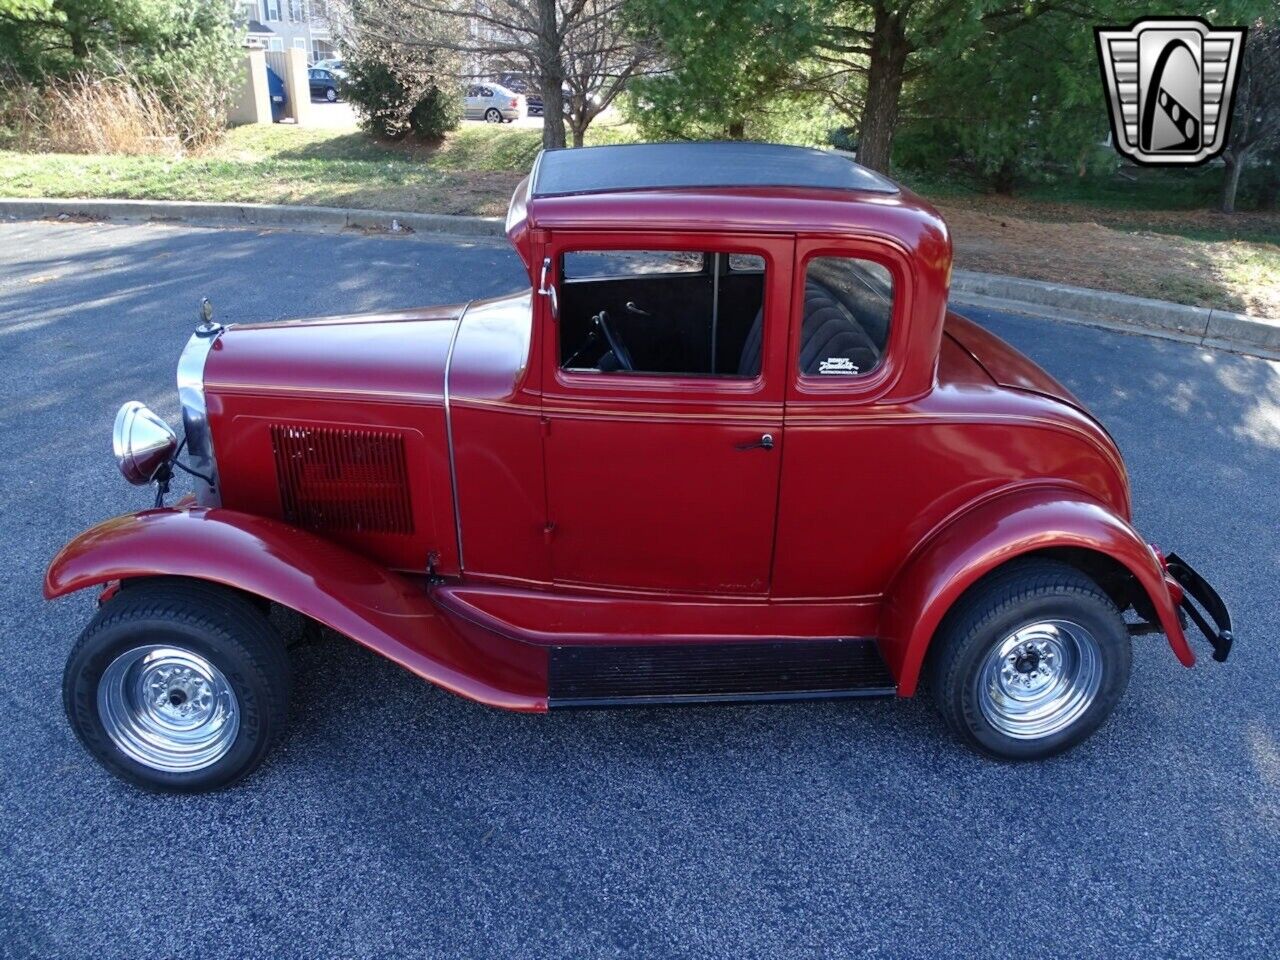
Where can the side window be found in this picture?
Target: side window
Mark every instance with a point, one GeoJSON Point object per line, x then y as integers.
{"type": "Point", "coordinates": [848, 306]}
{"type": "Point", "coordinates": [486, 92]}
{"type": "Point", "coordinates": [673, 312]}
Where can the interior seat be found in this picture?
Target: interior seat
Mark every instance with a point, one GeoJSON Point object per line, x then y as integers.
{"type": "Point", "coordinates": [828, 332]}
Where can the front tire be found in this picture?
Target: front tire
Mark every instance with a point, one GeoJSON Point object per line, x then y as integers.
{"type": "Point", "coordinates": [178, 686]}
{"type": "Point", "coordinates": [1030, 662]}
{"type": "Point", "coordinates": [331, 95]}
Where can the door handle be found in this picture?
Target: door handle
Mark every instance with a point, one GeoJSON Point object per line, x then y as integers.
{"type": "Point", "coordinates": [764, 443]}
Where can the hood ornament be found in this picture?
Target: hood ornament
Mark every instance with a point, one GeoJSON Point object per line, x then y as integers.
{"type": "Point", "coordinates": [206, 327]}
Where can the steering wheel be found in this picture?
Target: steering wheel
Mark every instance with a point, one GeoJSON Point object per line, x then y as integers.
{"type": "Point", "coordinates": [616, 346]}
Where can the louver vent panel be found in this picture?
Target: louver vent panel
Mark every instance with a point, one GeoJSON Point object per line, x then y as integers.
{"type": "Point", "coordinates": [351, 481]}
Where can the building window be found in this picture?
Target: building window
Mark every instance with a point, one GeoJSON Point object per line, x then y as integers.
{"type": "Point", "coordinates": [299, 44]}
{"type": "Point", "coordinates": [273, 11]}
{"type": "Point", "coordinates": [275, 43]}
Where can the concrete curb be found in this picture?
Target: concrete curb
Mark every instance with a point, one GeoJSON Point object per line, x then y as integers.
{"type": "Point", "coordinates": [253, 214]}
{"type": "Point", "coordinates": [1258, 336]}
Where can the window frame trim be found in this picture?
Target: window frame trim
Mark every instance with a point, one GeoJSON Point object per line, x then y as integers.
{"type": "Point", "coordinates": [863, 388]}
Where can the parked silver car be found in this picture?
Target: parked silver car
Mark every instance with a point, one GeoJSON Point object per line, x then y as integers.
{"type": "Point", "coordinates": [492, 103]}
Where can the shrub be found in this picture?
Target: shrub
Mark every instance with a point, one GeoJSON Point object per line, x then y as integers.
{"type": "Point", "coordinates": [87, 113]}
{"type": "Point", "coordinates": [435, 114]}
{"type": "Point", "coordinates": [378, 96]}
{"type": "Point", "coordinates": [395, 100]}
{"type": "Point", "coordinates": [138, 77]}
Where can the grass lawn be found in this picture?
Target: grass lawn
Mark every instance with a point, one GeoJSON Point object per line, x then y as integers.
{"type": "Point", "coordinates": [1151, 237]}
{"type": "Point", "coordinates": [472, 172]}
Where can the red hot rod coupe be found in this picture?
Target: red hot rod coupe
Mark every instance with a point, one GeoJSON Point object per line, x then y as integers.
{"type": "Point", "coordinates": [728, 446]}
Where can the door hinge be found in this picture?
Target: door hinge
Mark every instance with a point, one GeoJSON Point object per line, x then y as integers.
{"type": "Point", "coordinates": [548, 531]}
{"type": "Point", "coordinates": [546, 426]}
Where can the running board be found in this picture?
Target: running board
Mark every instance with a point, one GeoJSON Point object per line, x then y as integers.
{"type": "Point", "coordinates": [596, 676]}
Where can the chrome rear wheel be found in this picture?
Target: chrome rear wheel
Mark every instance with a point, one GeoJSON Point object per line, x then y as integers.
{"type": "Point", "coordinates": [1031, 661]}
{"type": "Point", "coordinates": [1040, 679]}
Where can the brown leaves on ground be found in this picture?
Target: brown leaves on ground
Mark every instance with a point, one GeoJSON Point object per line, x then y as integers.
{"type": "Point", "coordinates": [484, 194]}
{"type": "Point", "coordinates": [1121, 251]}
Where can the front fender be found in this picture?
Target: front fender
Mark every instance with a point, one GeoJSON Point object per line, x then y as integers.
{"type": "Point", "coordinates": [983, 538]}
{"type": "Point", "coordinates": [382, 610]}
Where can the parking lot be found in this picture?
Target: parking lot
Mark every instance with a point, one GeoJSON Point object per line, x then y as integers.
{"type": "Point", "coordinates": [399, 820]}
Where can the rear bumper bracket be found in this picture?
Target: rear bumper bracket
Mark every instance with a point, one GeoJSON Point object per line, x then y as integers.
{"type": "Point", "coordinates": [1195, 587]}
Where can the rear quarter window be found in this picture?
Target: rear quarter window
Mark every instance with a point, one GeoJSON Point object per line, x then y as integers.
{"type": "Point", "coordinates": [848, 308]}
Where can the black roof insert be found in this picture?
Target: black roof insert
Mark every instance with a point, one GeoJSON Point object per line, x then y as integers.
{"type": "Point", "coordinates": [656, 166]}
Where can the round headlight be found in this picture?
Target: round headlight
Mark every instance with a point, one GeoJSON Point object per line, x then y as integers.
{"type": "Point", "coordinates": [143, 443]}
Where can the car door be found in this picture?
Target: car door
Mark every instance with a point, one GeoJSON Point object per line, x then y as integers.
{"type": "Point", "coordinates": [471, 103]}
{"type": "Point", "coordinates": [313, 80]}
{"type": "Point", "coordinates": [858, 480]}
{"type": "Point", "coordinates": [659, 480]}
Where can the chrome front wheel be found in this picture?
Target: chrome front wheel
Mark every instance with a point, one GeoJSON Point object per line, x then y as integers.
{"type": "Point", "coordinates": [1040, 679]}
{"type": "Point", "coordinates": [178, 685]}
{"type": "Point", "coordinates": [168, 708]}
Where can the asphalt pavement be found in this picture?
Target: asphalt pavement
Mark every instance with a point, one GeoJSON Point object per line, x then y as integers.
{"type": "Point", "coordinates": [399, 820]}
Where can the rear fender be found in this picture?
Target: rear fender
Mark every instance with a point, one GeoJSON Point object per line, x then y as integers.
{"type": "Point", "coordinates": [382, 610]}
{"type": "Point", "coordinates": [993, 533]}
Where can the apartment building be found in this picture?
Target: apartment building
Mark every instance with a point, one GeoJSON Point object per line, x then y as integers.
{"type": "Point", "coordinates": [284, 24]}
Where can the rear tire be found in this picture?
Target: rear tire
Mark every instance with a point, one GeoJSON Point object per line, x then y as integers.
{"type": "Point", "coordinates": [1031, 661]}
{"type": "Point", "coordinates": [178, 686]}
{"type": "Point", "coordinates": [331, 95]}
{"type": "Point", "coordinates": [493, 115]}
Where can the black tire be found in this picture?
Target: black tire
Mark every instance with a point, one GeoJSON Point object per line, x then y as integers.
{"type": "Point", "coordinates": [1033, 592]}
{"type": "Point", "coordinates": [331, 95]}
{"type": "Point", "coordinates": [493, 115]}
{"type": "Point", "coordinates": [212, 622]}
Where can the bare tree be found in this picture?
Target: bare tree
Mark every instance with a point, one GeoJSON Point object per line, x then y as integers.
{"type": "Point", "coordinates": [579, 44]}
{"type": "Point", "coordinates": [600, 55]}
{"type": "Point", "coordinates": [1255, 122]}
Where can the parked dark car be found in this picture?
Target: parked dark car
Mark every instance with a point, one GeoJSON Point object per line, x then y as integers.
{"type": "Point", "coordinates": [324, 84]}
{"type": "Point", "coordinates": [519, 83]}
{"type": "Point", "coordinates": [522, 84]}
